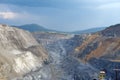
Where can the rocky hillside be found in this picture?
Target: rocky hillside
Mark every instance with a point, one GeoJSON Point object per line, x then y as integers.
{"type": "Point", "coordinates": [101, 49]}
{"type": "Point", "coordinates": [102, 44]}
{"type": "Point", "coordinates": [20, 53]}
{"type": "Point", "coordinates": [112, 31]}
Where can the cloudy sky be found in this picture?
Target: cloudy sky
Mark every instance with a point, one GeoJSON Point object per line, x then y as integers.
{"type": "Point", "coordinates": [64, 15]}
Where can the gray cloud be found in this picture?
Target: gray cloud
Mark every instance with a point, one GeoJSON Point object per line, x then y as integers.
{"type": "Point", "coordinates": [65, 15]}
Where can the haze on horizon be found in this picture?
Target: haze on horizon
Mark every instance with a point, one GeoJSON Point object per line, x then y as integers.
{"type": "Point", "coordinates": [62, 15]}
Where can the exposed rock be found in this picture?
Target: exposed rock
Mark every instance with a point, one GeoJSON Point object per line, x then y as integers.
{"type": "Point", "coordinates": [112, 31]}
{"type": "Point", "coordinates": [80, 56]}
{"type": "Point", "coordinates": [63, 65]}
{"type": "Point", "coordinates": [15, 57]}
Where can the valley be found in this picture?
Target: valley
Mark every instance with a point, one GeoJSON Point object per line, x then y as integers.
{"type": "Point", "coordinates": [58, 56]}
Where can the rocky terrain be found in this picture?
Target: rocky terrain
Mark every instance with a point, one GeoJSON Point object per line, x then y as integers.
{"type": "Point", "coordinates": [20, 53]}
{"type": "Point", "coordinates": [83, 56]}
{"type": "Point", "coordinates": [58, 56]}
{"type": "Point", "coordinates": [104, 45]}
{"type": "Point", "coordinates": [60, 48]}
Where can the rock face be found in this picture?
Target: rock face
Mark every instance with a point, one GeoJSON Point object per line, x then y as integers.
{"type": "Point", "coordinates": [17, 52]}
{"type": "Point", "coordinates": [101, 45]}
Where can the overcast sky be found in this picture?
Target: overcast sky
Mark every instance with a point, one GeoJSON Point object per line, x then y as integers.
{"type": "Point", "coordinates": [63, 15]}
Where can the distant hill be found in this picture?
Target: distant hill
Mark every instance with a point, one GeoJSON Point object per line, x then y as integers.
{"type": "Point", "coordinates": [34, 28]}
{"type": "Point", "coordinates": [91, 30]}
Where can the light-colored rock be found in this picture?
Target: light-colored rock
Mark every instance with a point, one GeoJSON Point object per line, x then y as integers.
{"type": "Point", "coordinates": [17, 55]}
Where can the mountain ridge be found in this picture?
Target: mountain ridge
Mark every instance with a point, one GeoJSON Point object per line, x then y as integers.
{"type": "Point", "coordinates": [91, 30]}
{"type": "Point", "coordinates": [38, 28]}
